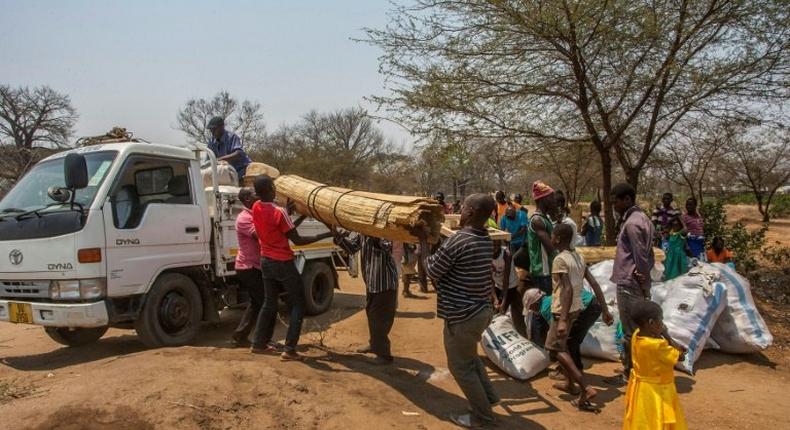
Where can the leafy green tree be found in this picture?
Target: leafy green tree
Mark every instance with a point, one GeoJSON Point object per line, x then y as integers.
{"type": "Point", "coordinates": [621, 74]}
{"type": "Point", "coordinates": [743, 243]}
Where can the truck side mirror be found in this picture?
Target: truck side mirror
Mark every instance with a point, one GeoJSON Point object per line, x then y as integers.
{"type": "Point", "coordinates": [75, 171]}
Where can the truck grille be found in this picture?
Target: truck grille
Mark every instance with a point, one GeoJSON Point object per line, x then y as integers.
{"type": "Point", "coordinates": [14, 289]}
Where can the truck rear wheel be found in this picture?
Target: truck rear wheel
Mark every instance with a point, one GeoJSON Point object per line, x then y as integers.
{"type": "Point", "coordinates": [171, 313]}
{"type": "Point", "coordinates": [319, 285]}
{"type": "Point", "coordinates": [78, 336]}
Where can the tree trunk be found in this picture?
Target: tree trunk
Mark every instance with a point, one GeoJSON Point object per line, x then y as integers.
{"type": "Point", "coordinates": [632, 177]}
{"type": "Point", "coordinates": [762, 208]}
{"type": "Point", "coordinates": [767, 213]}
{"type": "Point", "coordinates": [606, 189]}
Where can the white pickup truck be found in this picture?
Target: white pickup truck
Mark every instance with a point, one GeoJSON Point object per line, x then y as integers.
{"type": "Point", "coordinates": [125, 235]}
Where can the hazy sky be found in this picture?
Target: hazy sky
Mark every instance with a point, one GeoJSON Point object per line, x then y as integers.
{"type": "Point", "coordinates": [134, 63]}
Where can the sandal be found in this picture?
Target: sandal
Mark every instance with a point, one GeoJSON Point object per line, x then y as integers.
{"type": "Point", "coordinates": [585, 406]}
{"type": "Point", "coordinates": [564, 388]}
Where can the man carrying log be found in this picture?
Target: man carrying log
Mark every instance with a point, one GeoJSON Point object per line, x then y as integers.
{"type": "Point", "coordinates": [248, 267]}
{"type": "Point", "coordinates": [275, 228]}
{"type": "Point", "coordinates": [461, 268]}
{"type": "Point", "coordinates": [381, 287]}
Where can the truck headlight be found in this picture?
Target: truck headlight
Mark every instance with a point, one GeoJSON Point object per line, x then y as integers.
{"type": "Point", "coordinates": [93, 288]}
{"type": "Point", "coordinates": [75, 289]}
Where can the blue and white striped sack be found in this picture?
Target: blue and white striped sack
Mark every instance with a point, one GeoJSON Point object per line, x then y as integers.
{"type": "Point", "coordinates": [692, 305]}
{"type": "Point", "coordinates": [740, 328]}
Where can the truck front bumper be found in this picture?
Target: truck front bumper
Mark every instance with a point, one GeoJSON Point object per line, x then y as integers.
{"type": "Point", "coordinates": [62, 314]}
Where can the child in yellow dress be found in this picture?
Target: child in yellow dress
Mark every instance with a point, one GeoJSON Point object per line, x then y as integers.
{"type": "Point", "coordinates": [651, 401]}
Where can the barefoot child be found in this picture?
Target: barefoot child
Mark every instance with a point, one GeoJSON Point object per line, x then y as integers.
{"type": "Point", "coordinates": [651, 400]}
{"type": "Point", "coordinates": [567, 276]}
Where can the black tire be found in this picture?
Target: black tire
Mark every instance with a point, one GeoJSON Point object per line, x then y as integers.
{"type": "Point", "coordinates": [171, 313]}
{"type": "Point", "coordinates": [75, 336]}
{"type": "Point", "coordinates": [319, 287]}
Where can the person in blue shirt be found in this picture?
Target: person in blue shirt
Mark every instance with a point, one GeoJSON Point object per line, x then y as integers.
{"type": "Point", "coordinates": [515, 222]}
{"type": "Point", "coordinates": [592, 230]}
{"type": "Point", "coordinates": [226, 145]}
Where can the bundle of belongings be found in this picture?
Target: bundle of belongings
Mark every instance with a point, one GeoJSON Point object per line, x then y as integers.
{"type": "Point", "coordinates": [711, 306]}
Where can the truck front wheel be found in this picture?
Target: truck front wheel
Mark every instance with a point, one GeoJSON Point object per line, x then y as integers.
{"type": "Point", "coordinates": [75, 336]}
{"type": "Point", "coordinates": [319, 285]}
{"type": "Point", "coordinates": [171, 313]}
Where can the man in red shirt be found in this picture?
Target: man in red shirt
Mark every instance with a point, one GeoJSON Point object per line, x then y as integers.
{"type": "Point", "coordinates": [275, 228]}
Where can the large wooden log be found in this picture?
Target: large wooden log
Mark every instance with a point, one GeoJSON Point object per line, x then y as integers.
{"type": "Point", "coordinates": [596, 254]}
{"type": "Point", "coordinates": [400, 218]}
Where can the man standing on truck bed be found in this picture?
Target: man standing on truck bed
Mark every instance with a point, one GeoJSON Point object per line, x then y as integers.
{"type": "Point", "coordinates": [274, 228]}
{"type": "Point", "coordinates": [248, 267]}
{"type": "Point", "coordinates": [226, 145]}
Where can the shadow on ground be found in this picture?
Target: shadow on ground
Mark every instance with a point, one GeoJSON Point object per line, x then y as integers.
{"type": "Point", "coordinates": [710, 359]}
{"type": "Point", "coordinates": [214, 335]}
{"type": "Point", "coordinates": [410, 378]}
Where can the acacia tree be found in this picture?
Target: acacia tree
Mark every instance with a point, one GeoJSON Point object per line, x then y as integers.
{"type": "Point", "coordinates": [570, 163]}
{"type": "Point", "coordinates": [691, 154]}
{"type": "Point", "coordinates": [342, 147]}
{"type": "Point", "coordinates": [242, 117]}
{"type": "Point", "coordinates": [621, 74]}
{"type": "Point", "coordinates": [498, 161]}
{"type": "Point", "coordinates": [761, 163]}
{"type": "Point", "coordinates": [33, 123]}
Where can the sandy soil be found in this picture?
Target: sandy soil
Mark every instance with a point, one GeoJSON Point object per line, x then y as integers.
{"type": "Point", "coordinates": [778, 233]}
{"type": "Point", "coordinates": [118, 384]}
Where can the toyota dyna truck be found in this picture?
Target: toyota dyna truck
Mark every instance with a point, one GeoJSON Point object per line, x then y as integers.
{"type": "Point", "coordinates": [125, 235]}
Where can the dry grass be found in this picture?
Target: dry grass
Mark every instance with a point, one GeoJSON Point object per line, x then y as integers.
{"type": "Point", "coordinates": [12, 389]}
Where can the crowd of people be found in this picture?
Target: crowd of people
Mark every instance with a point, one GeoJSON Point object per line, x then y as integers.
{"type": "Point", "coordinates": [538, 273]}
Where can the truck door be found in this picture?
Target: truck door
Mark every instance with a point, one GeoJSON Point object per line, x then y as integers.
{"type": "Point", "coordinates": [152, 222]}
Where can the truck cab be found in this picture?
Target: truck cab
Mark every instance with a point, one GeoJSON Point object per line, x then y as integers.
{"type": "Point", "coordinates": [126, 235]}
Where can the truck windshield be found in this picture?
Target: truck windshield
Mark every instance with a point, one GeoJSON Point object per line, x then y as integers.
{"type": "Point", "coordinates": [30, 193]}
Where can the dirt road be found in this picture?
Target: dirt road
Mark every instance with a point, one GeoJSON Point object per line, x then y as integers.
{"type": "Point", "coordinates": [118, 384]}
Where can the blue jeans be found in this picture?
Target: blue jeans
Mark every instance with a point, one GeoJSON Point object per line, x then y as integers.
{"type": "Point", "coordinates": [280, 276]}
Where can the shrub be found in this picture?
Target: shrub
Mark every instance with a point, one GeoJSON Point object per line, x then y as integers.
{"type": "Point", "coordinates": [737, 238]}
{"type": "Point", "coordinates": [780, 206]}
{"type": "Point", "coordinates": [778, 256]}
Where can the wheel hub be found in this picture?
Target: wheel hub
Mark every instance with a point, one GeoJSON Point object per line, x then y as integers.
{"type": "Point", "coordinates": [174, 312]}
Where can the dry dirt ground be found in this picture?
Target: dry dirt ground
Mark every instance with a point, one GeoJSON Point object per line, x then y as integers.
{"type": "Point", "coordinates": [118, 384]}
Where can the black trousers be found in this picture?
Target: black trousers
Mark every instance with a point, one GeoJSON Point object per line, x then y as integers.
{"type": "Point", "coordinates": [252, 280]}
{"type": "Point", "coordinates": [539, 327]}
{"type": "Point", "coordinates": [627, 299]}
{"type": "Point", "coordinates": [579, 330]}
{"type": "Point", "coordinates": [516, 305]}
{"type": "Point", "coordinates": [380, 311]}
{"type": "Point", "coordinates": [280, 276]}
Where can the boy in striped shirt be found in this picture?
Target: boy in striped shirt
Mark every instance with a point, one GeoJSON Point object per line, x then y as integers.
{"type": "Point", "coordinates": [461, 268]}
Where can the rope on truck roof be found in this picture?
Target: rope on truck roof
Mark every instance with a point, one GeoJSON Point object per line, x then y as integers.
{"type": "Point", "coordinates": [115, 135]}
